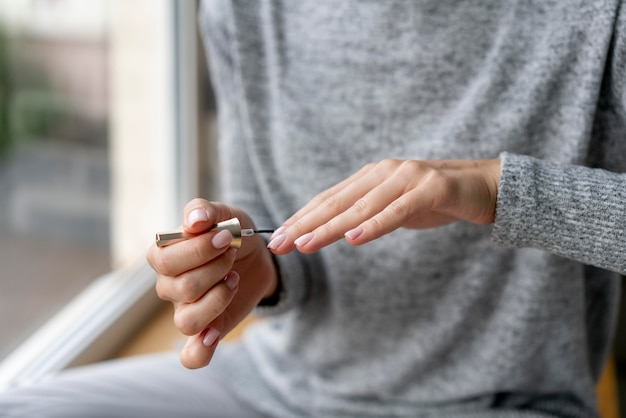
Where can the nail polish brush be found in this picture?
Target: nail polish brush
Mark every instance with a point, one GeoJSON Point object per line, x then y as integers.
{"type": "Point", "coordinates": [232, 225]}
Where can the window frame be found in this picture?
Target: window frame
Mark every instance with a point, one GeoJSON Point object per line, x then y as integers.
{"type": "Point", "coordinates": [102, 318]}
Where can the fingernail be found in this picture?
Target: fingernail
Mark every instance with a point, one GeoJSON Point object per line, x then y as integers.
{"type": "Point", "coordinates": [222, 239]}
{"type": "Point", "coordinates": [354, 233]}
{"type": "Point", "coordinates": [231, 280]}
{"type": "Point", "coordinates": [210, 337]}
{"type": "Point", "coordinates": [277, 232]}
{"type": "Point", "coordinates": [277, 241]}
{"type": "Point", "coordinates": [304, 239]}
{"type": "Point", "coordinates": [197, 215]}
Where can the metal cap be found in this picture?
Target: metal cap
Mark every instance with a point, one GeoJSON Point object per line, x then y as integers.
{"type": "Point", "coordinates": [234, 227]}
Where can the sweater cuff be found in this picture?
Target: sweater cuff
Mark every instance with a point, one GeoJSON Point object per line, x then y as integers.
{"type": "Point", "coordinates": [569, 210]}
{"type": "Point", "coordinates": [291, 289]}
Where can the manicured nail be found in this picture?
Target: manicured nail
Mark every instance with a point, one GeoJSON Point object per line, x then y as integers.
{"type": "Point", "coordinates": [304, 239]}
{"type": "Point", "coordinates": [210, 337]}
{"type": "Point", "coordinates": [277, 241]}
{"type": "Point", "coordinates": [354, 233]}
{"type": "Point", "coordinates": [222, 239]}
{"type": "Point", "coordinates": [277, 232]}
{"type": "Point", "coordinates": [197, 215]}
{"type": "Point", "coordinates": [231, 280]}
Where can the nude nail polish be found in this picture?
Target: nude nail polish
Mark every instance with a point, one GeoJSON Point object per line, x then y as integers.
{"type": "Point", "coordinates": [354, 233]}
{"type": "Point", "coordinates": [197, 215]}
{"type": "Point", "coordinates": [304, 239]}
{"type": "Point", "coordinates": [210, 337]}
{"type": "Point", "coordinates": [222, 239]}
{"type": "Point", "coordinates": [231, 280]}
{"type": "Point", "coordinates": [277, 241]}
{"type": "Point", "coordinates": [278, 232]}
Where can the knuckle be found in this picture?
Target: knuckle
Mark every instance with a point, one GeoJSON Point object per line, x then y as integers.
{"type": "Point", "coordinates": [185, 322]}
{"type": "Point", "coordinates": [411, 165]}
{"type": "Point", "coordinates": [441, 181]}
{"type": "Point", "coordinates": [388, 164]}
{"type": "Point", "coordinates": [300, 226]}
{"type": "Point", "coordinates": [162, 265]}
{"type": "Point", "coordinates": [412, 170]}
{"type": "Point", "coordinates": [329, 228]}
{"type": "Point", "coordinates": [361, 206]}
{"type": "Point", "coordinates": [213, 311]}
{"type": "Point", "coordinates": [218, 304]}
{"type": "Point", "coordinates": [333, 203]}
{"type": "Point", "coordinates": [370, 166]}
{"type": "Point", "coordinates": [436, 177]}
{"type": "Point", "coordinates": [162, 290]}
{"type": "Point", "coordinates": [375, 224]}
{"type": "Point", "coordinates": [187, 288]}
{"type": "Point", "coordinates": [321, 196]}
{"type": "Point", "coordinates": [192, 318]}
{"type": "Point", "coordinates": [400, 209]}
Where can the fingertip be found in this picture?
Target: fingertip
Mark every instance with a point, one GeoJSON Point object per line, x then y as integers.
{"type": "Point", "coordinates": [277, 232]}
{"type": "Point", "coordinates": [277, 241]}
{"type": "Point", "coordinates": [195, 354]}
{"type": "Point", "coordinates": [198, 215]}
{"type": "Point", "coordinates": [192, 364]}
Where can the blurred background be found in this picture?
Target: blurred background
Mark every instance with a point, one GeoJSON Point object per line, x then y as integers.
{"type": "Point", "coordinates": [54, 157]}
{"type": "Point", "coordinates": [105, 130]}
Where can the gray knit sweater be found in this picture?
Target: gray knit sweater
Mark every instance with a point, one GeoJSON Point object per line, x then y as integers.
{"type": "Point", "coordinates": [509, 320]}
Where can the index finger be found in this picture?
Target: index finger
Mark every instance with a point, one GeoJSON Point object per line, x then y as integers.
{"type": "Point", "coordinates": [324, 196]}
{"type": "Point", "coordinates": [183, 256]}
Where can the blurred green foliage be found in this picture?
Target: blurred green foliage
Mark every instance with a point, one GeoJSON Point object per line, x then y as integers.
{"type": "Point", "coordinates": [5, 94]}
{"type": "Point", "coordinates": [30, 108]}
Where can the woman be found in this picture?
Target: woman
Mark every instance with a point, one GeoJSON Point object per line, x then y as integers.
{"type": "Point", "coordinates": [411, 116]}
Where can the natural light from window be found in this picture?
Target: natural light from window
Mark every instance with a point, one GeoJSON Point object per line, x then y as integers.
{"type": "Point", "coordinates": [106, 127]}
{"type": "Point", "coordinates": [54, 158]}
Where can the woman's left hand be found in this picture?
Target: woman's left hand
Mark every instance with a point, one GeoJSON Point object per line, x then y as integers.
{"type": "Point", "coordinates": [390, 194]}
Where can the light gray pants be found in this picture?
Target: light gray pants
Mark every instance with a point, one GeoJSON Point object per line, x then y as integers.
{"type": "Point", "coordinates": [150, 386]}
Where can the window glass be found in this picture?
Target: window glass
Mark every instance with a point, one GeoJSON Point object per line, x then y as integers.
{"type": "Point", "coordinates": [54, 158]}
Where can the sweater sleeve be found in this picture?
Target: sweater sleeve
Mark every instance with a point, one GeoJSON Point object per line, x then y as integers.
{"type": "Point", "coordinates": [572, 211]}
{"type": "Point", "coordinates": [238, 180]}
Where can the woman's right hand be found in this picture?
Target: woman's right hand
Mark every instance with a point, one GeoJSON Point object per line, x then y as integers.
{"type": "Point", "coordinates": [211, 285]}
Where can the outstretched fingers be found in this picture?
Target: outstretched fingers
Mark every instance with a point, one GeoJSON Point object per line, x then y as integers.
{"type": "Point", "coordinates": [391, 194]}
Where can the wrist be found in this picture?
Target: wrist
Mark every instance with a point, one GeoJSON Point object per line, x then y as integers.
{"type": "Point", "coordinates": [273, 294]}
{"type": "Point", "coordinates": [262, 267]}
{"type": "Point", "coordinates": [494, 170]}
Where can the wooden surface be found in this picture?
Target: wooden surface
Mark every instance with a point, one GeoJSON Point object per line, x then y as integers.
{"type": "Point", "coordinates": [607, 392]}
{"type": "Point", "coordinates": [161, 335]}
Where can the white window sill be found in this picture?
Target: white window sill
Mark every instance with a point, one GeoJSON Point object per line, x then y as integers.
{"type": "Point", "coordinates": [92, 327]}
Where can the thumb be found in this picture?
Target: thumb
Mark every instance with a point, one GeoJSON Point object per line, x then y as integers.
{"type": "Point", "coordinates": [200, 215]}
{"type": "Point", "coordinates": [197, 220]}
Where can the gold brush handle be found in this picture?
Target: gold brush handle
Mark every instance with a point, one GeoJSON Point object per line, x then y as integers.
{"type": "Point", "coordinates": [233, 225]}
